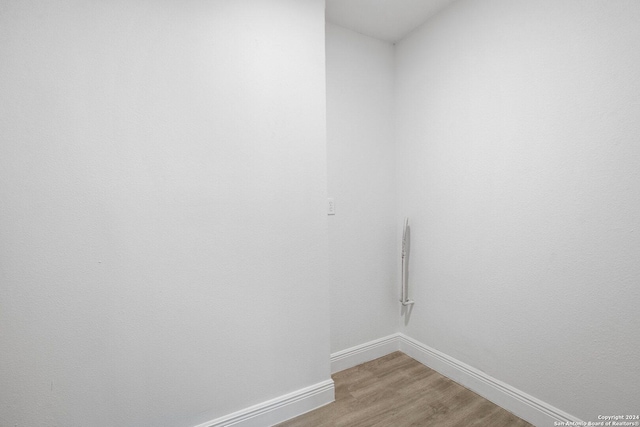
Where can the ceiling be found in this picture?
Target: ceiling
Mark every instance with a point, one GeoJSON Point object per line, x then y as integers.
{"type": "Point", "coordinates": [388, 20]}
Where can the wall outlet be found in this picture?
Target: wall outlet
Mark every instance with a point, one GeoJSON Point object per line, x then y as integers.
{"type": "Point", "coordinates": [331, 207]}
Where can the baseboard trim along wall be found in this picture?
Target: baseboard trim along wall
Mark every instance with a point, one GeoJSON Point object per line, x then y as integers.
{"type": "Point", "coordinates": [527, 407]}
{"type": "Point", "coordinates": [291, 405]}
{"type": "Point", "coordinates": [280, 409]}
{"type": "Point", "coordinates": [362, 353]}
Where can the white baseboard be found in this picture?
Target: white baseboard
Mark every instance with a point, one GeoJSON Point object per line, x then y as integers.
{"type": "Point", "coordinates": [517, 402]}
{"type": "Point", "coordinates": [362, 353]}
{"type": "Point", "coordinates": [280, 409]}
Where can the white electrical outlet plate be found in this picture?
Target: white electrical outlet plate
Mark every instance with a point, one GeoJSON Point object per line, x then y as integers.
{"type": "Point", "coordinates": [331, 207]}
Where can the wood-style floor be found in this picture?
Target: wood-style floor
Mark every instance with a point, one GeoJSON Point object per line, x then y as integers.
{"type": "Point", "coordinates": [398, 391]}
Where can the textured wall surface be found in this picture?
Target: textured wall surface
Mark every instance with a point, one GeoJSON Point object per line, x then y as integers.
{"type": "Point", "coordinates": [519, 164]}
{"type": "Point", "coordinates": [361, 179]}
{"type": "Point", "coordinates": [163, 234]}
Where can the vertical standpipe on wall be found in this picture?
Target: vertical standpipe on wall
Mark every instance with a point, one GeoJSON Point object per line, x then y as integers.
{"type": "Point", "coordinates": [404, 290]}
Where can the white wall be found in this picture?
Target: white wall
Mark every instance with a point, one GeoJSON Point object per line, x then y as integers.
{"type": "Point", "coordinates": [519, 164]}
{"type": "Point", "coordinates": [163, 234]}
{"type": "Point", "coordinates": [361, 179]}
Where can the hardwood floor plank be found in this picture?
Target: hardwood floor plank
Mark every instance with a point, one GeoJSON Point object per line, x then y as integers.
{"type": "Point", "coordinates": [396, 390]}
